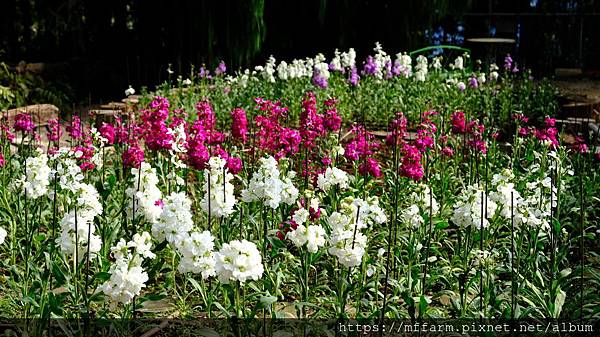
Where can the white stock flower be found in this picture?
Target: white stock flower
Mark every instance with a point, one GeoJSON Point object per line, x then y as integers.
{"type": "Point", "coordinates": [481, 78]}
{"type": "Point", "coordinates": [127, 277]}
{"type": "Point", "coordinates": [404, 63]}
{"type": "Point", "coordinates": [179, 139]}
{"type": "Point", "coordinates": [437, 63]}
{"type": "Point", "coordinates": [333, 176]}
{"type": "Point", "coordinates": [421, 68]}
{"type": "Point", "coordinates": [282, 71]}
{"type": "Point", "coordinates": [88, 200]}
{"type": "Point", "coordinates": [348, 59]}
{"type": "Point", "coordinates": [75, 231]}
{"type": "Point", "coordinates": [267, 186]}
{"type": "Point", "coordinates": [322, 69]}
{"type": "Point", "coordinates": [301, 216]}
{"type": "Point", "coordinates": [77, 226]}
{"type": "Point", "coordinates": [175, 221]}
{"type": "Point", "coordinates": [68, 173]}
{"type": "Point", "coordinates": [505, 196]}
{"type": "Point", "coordinates": [268, 70]}
{"type": "Point", "coordinates": [126, 281]}
{"type": "Point", "coordinates": [142, 243]}
{"type": "Point", "coordinates": [381, 59]}
{"type": "Point", "coordinates": [315, 238]}
{"type": "Point", "coordinates": [298, 236]}
{"type": "Point", "coordinates": [34, 182]}
{"type": "Point", "coordinates": [412, 216]}
{"type": "Point", "coordinates": [312, 236]}
{"type": "Point", "coordinates": [238, 261]}
{"type": "Point", "coordinates": [197, 254]}
{"type": "Point", "coordinates": [2, 235]}
{"type": "Point", "coordinates": [422, 201]}
{"type": "Point", "coordinates": [219, 198]}
{"type": "Point", "coordinates": [129, 91]}
{"type": "Point", "coordinates": [347, 242]}
{"type": "Point", "coordinates": [471, 210]}
{"type": "Point", "coordinates": [336, 61]}
{"type": "Point", "coordinates": [144, 194]}
{"type": "Point", "coordinates": [289, 192]}
{"type": "Point", "coordinates": [459, 63]}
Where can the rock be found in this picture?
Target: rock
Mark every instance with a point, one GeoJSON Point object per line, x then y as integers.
{"type": "Point", "coordinates": [40, 113]}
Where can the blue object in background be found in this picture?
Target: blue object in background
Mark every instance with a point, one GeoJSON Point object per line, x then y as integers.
{"type": "Point", "coordinates": [518, 42]}
{"type": "Point", "coordinates": [439, 36]}
{"type": "Point", "coordinates": [533, 3]}
{"type": "Point", "coordinates": [492, 31]}
{"type": "Point", "coordinates": [572, 5]}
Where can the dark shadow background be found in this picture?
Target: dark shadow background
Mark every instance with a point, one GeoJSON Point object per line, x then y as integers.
{"type": "Point", "coordinates": [99, 47]}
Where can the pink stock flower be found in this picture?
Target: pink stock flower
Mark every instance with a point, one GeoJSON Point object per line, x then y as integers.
{"type": "Point", "coordinates": [311, 122]}
{"type": "Point", "coordinates": [424, 141]}
{"type": "Point", "coordinates": [206, 115]}
{"type": "Point", "coordinates": [332, 120]}
{"type": "Point", "coordinates": [271, 136]}
{"type": "Point", "coordinates": [239, 125]}
{"type": "Point", "coordinates": [289, 143]}
{"type": "Point", "coordinates": [411, 163]}
{"type": "Point", "coordinates": [122, 132]}
{"type": "Point", "coordinates": [550, 122]}
{"type": "Point", "coordinates": [475, 129]}
{"type": "Point", "coordinates": [2, 161]}
{"type": "Point", "coordinates": [197, 152]}
{"type": "Point", "coordinates": [519, 117]}
{"type": "Point", "coordinates": [86, 165]}
{"type": "Point", "coordinates": [23, 123]}
{"type": "Point", "coordinates": [370, 167]}
{"type": "Point", "coordinates": [580, 146]}
{"type": "Point", "coordinates": [549, 133]}
{"type": "Point", "coordinates": [362, 145]}
{"type": "Point", "coordinates": [84, 155]}
{"type": "Point", "coordinates": [233, 164]}
{"type": "Point", "coordinates": [108, 131]}
{"type": "Point", "coordinates": [133, 157]}
{"type": "Point", "coordinates": [54, 131]}
{"type": "Point", "coordinates": [154, 127]}
{"type": "Point", "coordinates": [74, 128]}
{"type": "Point", "coordinates": [448, 151]}
{"type": "Point", "coordinates": [207, 120]}
{"type": "Point", "coordinates": [479, 145]}
{"type": "Point", "coordinates": [459, 122]}
{"type": "Point", "coordinates": [7, 133]}
{"type": "Point", "coordinates": [53, 150]}
{"type": "Point", "coordinates": [524, 131]}
{"type": "Point", "coordinates": [397, 129]}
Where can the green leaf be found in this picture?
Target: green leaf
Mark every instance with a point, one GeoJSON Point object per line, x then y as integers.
{"type": "Point", "coordinates": [222, 309]}
{"type": "Point", "coordinates": [422, 305]}
{"type": "Point", "coordinates": [442, 225]}
{"type": "Point", "coordinates": [559, 301]}
{"type": "Point", "coordinates": [102, 276]}
{"type": "Point", "coordinates": [266, 301]}
{"type": "Point", "coordinates": [112, 180]}
{"type": "Point", "coordinates": [155, 297]}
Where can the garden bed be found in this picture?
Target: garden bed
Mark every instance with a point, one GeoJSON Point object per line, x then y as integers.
{"type": "Point", "coordinates": [420, 190]}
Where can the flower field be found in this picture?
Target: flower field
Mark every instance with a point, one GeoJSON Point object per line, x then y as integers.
{"type": "Point", "coordinates": [394, 187]}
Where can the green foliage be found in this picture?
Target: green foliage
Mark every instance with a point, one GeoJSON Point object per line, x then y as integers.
{"type": "Point", "coordinates": [19, 88]}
